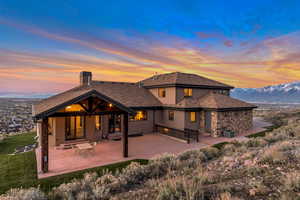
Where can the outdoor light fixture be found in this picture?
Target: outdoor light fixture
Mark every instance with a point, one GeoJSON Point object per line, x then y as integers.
{"type": "Point", "coordinates": [110, 105]}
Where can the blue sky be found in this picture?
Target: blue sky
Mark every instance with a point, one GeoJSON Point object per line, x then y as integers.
{"type": "Point", "coordinates": [44, 44]}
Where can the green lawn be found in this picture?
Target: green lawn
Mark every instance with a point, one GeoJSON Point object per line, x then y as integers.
{"type": "Point", "coordinates": [20, 170]}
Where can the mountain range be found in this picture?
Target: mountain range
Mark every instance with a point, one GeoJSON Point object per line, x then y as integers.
{"type": "Point", "coordinates": [282, 93]}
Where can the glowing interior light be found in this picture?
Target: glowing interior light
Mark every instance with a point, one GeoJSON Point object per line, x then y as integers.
{"type": "Point", "coordinates": [110, 105]}
{"type": "Point", "coordinates": [69, 107]}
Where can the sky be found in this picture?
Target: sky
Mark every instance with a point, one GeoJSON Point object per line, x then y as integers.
{"type": "Point", "coordinates": [45, 44]}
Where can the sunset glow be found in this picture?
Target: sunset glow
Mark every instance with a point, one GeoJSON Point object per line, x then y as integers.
{"type": "Point", "coordinates": [44, 45]}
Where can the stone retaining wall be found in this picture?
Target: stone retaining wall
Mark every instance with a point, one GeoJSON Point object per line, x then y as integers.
{"type": "Point", "coordinates": [237, 121]}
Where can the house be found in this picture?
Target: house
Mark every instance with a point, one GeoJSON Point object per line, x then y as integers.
{"type": "Point", "coordinates": [173, 104]}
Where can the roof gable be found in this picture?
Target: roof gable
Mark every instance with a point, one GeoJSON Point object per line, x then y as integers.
{"type": "Point", "coordinates": [125, 95]}
{"type": "Point", "coordinates": [182, 79]}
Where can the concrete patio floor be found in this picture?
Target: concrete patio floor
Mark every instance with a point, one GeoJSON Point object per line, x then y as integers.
{"type": "Point", "coordinates": [142, 147]}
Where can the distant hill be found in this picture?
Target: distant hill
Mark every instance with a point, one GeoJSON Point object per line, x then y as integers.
{"type": "Point", "coordinates": [282, 93]}
{"type": "Point", "coordinates": [24, 95]}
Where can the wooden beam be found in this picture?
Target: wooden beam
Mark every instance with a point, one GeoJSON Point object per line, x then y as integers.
{"type": "Point", "coordinates": [44, 146]}
{"type": "Point", "coordinates": [66, 114]}
{"type": "Point", "coordinates": [125, 135]}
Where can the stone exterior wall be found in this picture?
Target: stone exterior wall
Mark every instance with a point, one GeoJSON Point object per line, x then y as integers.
{"type": "Point", "coordinates": [237, 121]}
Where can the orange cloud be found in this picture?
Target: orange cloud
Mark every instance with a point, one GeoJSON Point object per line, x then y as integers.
{"type": "Point", "coordinates": [272, 61]}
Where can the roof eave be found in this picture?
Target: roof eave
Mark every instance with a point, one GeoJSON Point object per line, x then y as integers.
{"type": "Point", "coordinates": [79, 98]}
{"type": "Point", "coordinates": [188, 86]}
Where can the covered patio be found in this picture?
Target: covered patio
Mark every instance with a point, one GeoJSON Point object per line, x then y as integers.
{"type": "Point", "coordinates": [141, 147]}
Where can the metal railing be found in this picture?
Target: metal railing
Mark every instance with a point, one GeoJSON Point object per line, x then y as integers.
{"type": "Point", "coordinates": [187, 134]}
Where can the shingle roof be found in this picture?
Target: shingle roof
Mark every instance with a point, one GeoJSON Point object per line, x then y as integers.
{"type": "Point", "coordinates": [214, 101]}
{"type": "Point", "coordinates": [178, 78]}
{"type": "Point", "coordinates": [127, 94]}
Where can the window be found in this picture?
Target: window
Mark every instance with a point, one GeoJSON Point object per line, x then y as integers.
{"type": "Point", "coordinates": [192, 116]}
{"type": "Point", "coordinates": [188, 92]}
{"type": "Point", "coordinates": [161, 92]}
{"type": "Point", "coordinates": [75, 127]}
{"type": "Point", "coordinates": [73, 108]}
{"type": "Point", "coordinates": [171, 115]}
{"type": "Point", "coordinates": [98, 122]}
{"type": "Point", "coordinates": [140, 115]}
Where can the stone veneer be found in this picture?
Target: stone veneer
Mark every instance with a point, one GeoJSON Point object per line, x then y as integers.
{"type": "Point", "coordinates": [237, 121]}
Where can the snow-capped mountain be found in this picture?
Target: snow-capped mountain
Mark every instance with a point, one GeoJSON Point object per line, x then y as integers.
{"type": "Point", "coordinates": [282, 93]}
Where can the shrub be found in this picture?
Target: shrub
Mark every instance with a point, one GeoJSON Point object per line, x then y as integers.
{"type": "Point", "coordinates": [134, 174]}
{"type": "Point", "coordinates": [291, 182]}
{"type": "Point", "coordinates": [191, 154]}
{"type": "Point", "coordinates": [272, 155]}
{"type": "Point", "coordinates": [256, 142]}
{"type": "Point", "coordinates": [226, 196]}
{"type": "Point", "coordinates": [180, 189]}
{"type": "Point", "coordinates": [210, 152]}
{"type": "Point", "coordinates": [24, 194]}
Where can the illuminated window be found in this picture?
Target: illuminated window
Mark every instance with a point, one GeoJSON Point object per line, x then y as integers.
{"type": "Point", "coordinates": [161, 92]}
{"type": "Point", "coordinates": [171, 115]}
{"type": "Point", "coordinates": [73, 108]}
{"type": "Point", "coordinates": [188, 92]}
{"type": "Point", "coordinates": [98, 122]}
{"type": "Point", "coordinates": [140, 115]}
{"type": "Point", "coordinates": [193, 116]}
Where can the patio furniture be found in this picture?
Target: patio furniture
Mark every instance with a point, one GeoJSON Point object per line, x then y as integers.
{"type": "Point", "coordinates": [84, 148]}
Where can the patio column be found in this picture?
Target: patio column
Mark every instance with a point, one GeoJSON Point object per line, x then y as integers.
{"type": "Point", "coordinates": [125, 135]}
{"type": "Point", "coordinates": [44, 146]}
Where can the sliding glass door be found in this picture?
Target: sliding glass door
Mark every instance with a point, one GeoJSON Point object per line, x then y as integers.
{"type": "Point", "coordinates": [114, 123]}
{"type": "Point", "coordinates": [75, 127]}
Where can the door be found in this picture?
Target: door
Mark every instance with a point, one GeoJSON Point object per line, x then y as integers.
{"type": "Point", "coordinates": [114, 123]}
{"type": "Point", "coordinates": [75, 127]}
{"type": "Point", "coordinates": [208, 121]}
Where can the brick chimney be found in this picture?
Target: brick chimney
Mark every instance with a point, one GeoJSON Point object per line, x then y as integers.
{"type": "Point", "coordinates": [85, 78]}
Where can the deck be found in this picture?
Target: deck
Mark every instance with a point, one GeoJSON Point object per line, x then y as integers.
{"type": "Point", "coordinates": [142, 147]}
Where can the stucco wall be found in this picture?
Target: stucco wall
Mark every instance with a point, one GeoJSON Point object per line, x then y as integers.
{"type": "Point", "coordinates": [197, 93]}
{"type": "Point", "coordinates": [170, 97]}
{"type": "Point", "coordinates": [237, 121]}
{"type": "Point", "coordinates": [142, 126]}
{"type": "Point", "coordinates": [177, 123]}
{"type": "Point", "coordinates": [192, 125]}
{"type": "Point", "coordinates": [90, 131]}
{"type": "Point", "coordinates": [59, 128]}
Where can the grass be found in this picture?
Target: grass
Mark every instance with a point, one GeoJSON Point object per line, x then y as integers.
{"type": "Point", "coordinates": [21, 171]}
{"type": "Point", "coordinates": [9, 144]}
{"type": "Point", "coordinates": [16, 170]}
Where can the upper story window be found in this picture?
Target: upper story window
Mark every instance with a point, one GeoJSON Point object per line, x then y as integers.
{"type": "Point", "coordinates": [188, 92]}
{"type": "Point", "coordinates": [161, 92]}
{"type": "Point", "coordinates": [171, 115]}
{"type": "Point", "coordinates": [193, 117]}
{"type": "Point", "coordinates": [140, 115]}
